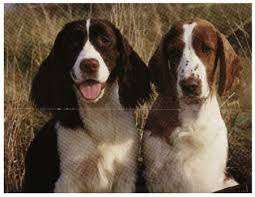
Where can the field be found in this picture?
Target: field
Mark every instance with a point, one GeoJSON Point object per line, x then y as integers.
{"type": "Point", "coordinates": [29, 33]}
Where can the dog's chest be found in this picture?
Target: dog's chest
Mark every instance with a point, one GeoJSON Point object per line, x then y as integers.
{"type": "Point", "coordinates": [193, 158]}
{"type": "Point", "coordinates": [188, 162]}
{"type": "Point", "coordinates": [88, 165]}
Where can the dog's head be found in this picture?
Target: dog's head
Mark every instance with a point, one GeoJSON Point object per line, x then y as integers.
{"type": "Point", "coordinates": [87, 57]}
{"type": "Point", "coordinates": [185, 62]}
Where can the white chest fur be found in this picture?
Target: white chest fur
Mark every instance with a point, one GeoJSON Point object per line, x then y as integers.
{"type": "Point", "coordinates": [195, 158]}
{"type": "Point", "coordinates": [102, 157]}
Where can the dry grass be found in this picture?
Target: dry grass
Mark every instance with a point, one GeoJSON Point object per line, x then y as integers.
{"type": "Point", "coordinates": [29, 34]}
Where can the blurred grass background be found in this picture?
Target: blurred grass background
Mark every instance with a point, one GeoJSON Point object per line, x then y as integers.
{"type": "Point", "coordinates": [29, 33]}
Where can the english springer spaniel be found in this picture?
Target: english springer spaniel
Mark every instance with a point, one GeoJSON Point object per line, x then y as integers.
{"type": "Point", "coordinates": [91, 81]}
{"type": "Point", "coordinates": [185, 143]}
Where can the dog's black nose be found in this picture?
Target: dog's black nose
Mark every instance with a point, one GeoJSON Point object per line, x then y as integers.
{"type": "Point", "coordinates": [191, 86]}
{"type": "Point", "coordinates": [89, 65]}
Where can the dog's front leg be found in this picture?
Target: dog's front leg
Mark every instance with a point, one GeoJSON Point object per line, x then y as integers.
{"type": "Point", "coordinates": [87, 176]}
{"type": "Point", "coordinates": [125, 183]}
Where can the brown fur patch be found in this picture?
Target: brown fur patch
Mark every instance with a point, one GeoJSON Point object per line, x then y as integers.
{"type": "Point", "coordinates": [89, 167]}
{"type": "Point", "coordinates": [163, 117]}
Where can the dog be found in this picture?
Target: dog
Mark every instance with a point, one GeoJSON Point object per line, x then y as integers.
{"type": "Point", "coordinates": [185, 143]}
{"type": "Point", "coordinates": [91, 82]}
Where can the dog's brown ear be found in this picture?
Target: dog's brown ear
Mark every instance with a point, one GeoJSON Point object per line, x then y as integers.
{"type": "Point", "coordinates": [52, 84]}
{"type": "Point", "coordinates": [158, 68]}
{"type": "Point", "coordinates": [134, 83]}
{"type": "Point", "coordinates": [133, 74]}
{"type": "Point", "coordinates": [52, 87]}
{"type": "Point", "coordinates": [229, 65]}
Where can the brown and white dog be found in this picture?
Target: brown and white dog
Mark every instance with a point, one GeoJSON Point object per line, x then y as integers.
{"type": "Point", "coordinates": [91, 81]}
{"type": "Point", "coordinates": [185, 143]}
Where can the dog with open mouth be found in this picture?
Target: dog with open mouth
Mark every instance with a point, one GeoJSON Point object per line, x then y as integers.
{"type": "Point", "coordinates": [91, 82]}
{"type": "Point", "coordinates": [185, 144]}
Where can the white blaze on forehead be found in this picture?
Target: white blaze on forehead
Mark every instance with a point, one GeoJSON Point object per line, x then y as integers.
{"type": "Point", "coordinates": [190, 64]}
{"type": "Point", "coordinates": [187, 34]}
{"type": "Point", "coordinates": [89, 52]}
{"type": "Point", "coordinates": [87, 27]}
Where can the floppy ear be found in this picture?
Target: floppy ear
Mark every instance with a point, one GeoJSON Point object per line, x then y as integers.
{"type": "Point", "coordinates": [158, 68]}
{"type": "Point", "coordinates": [229, 64]}
{"type": "Point", "coordinates": [134, 82]}
{"type": "Point", "coordinates": [52, 87]}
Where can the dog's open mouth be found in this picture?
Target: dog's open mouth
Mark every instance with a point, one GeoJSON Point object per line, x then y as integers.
{"type": "Point", "coordinates": [91, 89]}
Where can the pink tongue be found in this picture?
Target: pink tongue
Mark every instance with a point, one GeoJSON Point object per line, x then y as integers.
{"type": "Point", "coordinates": [90, 91]}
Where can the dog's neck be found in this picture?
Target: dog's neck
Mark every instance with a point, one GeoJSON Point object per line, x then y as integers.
{"type": "Point", "coordinates": [169, 113]}
{"type": "Point", "coordinates": [204, 113]}
{"type": "Point", "coordinates": [106, 117]}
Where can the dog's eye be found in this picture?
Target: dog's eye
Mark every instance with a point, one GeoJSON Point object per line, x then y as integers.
{"type": "Point", "coordinates": [75, 40]}
{"type": "Point", "coordinates": [205, 48]}
{"type": "Point", "coordinates": [105, 40]}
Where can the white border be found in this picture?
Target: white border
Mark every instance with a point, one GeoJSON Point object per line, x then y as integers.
{"type": "Point", "coordinates": [105, 1]}
{"type": "Point", "coordinates": [127, 1]}
{"type": "Point", "coordinates": [253, 100]}
{"type": "Point", "coordinates": [2, 99]}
